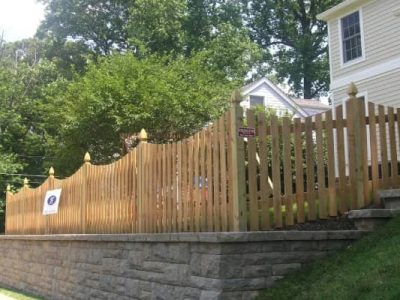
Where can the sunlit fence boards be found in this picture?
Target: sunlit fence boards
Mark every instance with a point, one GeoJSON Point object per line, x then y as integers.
{"type": "Point", "coordinates": [182, 186]}
{"type": "Point", "coordinates": [286, 171]}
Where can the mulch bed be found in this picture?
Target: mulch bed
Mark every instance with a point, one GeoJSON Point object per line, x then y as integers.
{"type": "Point", "coordinates": [339, 223]}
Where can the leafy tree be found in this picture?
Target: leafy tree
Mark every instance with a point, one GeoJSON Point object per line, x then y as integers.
{"type": "Point", "coordinates": [212, 31]}
{"type": "Point", "coordinates": [156, 25]}
{"type": "Point", "coordinates": [24, 105]}
{"type": "Point", "coordinates": [8, 165]}
{"type": "Point", "coordinates": [123, 94]}
{"type": "Point", "coordinates": [205, 17]}
{"type": "Point", "coordinates": [181, 26]}
{"type": "Point", "coordinates": [98, 23]}
{"type": "Point", "coordinates": [294, 41]}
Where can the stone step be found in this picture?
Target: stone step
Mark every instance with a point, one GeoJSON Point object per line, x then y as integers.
{"type": "Point", "coordinates": [370, 219]}
{"type": "Point", "coordinates": [390, 198]}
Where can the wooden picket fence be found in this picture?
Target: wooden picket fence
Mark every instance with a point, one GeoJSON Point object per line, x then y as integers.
{"type": "Point", "coordinates": [182, 186]}
{"type": "Point", "coordinates": [289, 171]}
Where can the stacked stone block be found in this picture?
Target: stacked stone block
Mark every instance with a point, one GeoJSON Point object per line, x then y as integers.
{"type": "Point", "coordinates": [160, 266]}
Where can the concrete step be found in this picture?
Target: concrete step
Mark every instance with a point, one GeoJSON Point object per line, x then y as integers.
{"type": "Point", "coordinates": [370, 219]}
{"type": "Point", "coordinates": [390, 198]}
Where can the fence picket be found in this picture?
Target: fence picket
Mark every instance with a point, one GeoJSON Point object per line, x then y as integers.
{"type": "Point", "coordinates": [320, 168]}
{"type": "Point", "coordinates": [331, 164]}
{"type": "Point", "coordinates": [216, 178]}
{"type": "Point", "coordinates": [312, 210]}
{"type": "Point", "coordinates": [196, 181]}
{"type": "Point", "coordinates": [276, 174]}
{"type": "Point", "coordinates": [265, 189]}
{"type": "Point", "coordinates": [351, 154]}
{"type": "Point", "coordinates": [340, 135]}
{"type": "Point", "coordinates": [393, 151]}
{"type": "Point", "coordinates": [252, 174]}
{"type": "Point", "coordinates": [203, 195]}
{"type": "Point", "coordinates": [210, 187]}
{"type": "Point", "coordinates": [287, 170]}
{"type": "Point", "coordinates": [298, 151]}
{"type": "Point", "coordinates": [383, 146]}
{"type": "Point", "coordinates": [222, 155]}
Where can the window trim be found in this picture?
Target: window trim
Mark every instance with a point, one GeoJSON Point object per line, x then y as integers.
{"type": "Point", "coordinates": [363, 50]}
{"type": "Point", "coordinates": [258, 96]}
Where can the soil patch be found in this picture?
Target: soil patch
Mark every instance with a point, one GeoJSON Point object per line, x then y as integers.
{"type": "Point", "coordinates": [339, 223]}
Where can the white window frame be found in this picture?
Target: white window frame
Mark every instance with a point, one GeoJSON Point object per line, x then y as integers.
{"type": "Point", "coordinates": [258, 96]}
{"type": "Point", "coordinates": [363, 50]}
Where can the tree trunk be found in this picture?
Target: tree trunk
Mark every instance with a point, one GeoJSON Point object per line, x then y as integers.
{"type": "Point", "coordinates": [307, 85]}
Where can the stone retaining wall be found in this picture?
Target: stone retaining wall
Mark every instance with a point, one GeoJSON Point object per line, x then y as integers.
{"type": "Point", "coordinates": [160, 266]}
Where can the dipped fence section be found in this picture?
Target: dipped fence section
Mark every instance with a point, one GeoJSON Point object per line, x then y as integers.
{"type": "Point", "coordinates": [320, 166]}
{"type": "Point", "coordinates": [242, 172]}
{"type": "Point", "coordinates": [183, 186]}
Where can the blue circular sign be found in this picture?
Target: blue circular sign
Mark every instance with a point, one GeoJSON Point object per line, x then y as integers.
{"type": "Point", "coordinates": [51, 200]}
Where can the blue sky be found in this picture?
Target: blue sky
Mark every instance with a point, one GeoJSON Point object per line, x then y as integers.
{"type": "Point", "coordinates": [19, 18]}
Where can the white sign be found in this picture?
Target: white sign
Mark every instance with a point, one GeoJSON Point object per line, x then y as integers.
{"type": "Point", "coordinates": [51, 201]}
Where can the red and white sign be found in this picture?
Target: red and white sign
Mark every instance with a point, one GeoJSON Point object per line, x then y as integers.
{"type": "Point", "coordinates": [246, 132]}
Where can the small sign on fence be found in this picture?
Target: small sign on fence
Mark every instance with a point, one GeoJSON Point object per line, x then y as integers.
{"type": "Point", "coordinates": [51, 201]}
{"type": "Point", "coordinates": [246, 132]}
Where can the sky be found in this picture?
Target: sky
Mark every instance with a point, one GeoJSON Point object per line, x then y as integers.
{"type": "Point", "coordinates": [19, 19]}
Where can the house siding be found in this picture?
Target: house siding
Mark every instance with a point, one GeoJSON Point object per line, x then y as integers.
{"type": "Point", "coordinates": [271, 99]}
{"type": "Point", "coordinates": [383, 89]}
{"type": "Point", "coordinates": [381, 29]}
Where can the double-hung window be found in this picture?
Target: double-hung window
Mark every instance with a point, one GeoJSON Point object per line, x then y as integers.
{"type": "Point", "coordinates": [351, 37]}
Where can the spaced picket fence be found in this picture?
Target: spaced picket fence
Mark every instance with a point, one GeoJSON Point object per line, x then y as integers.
{"type": "Point", "coordinates": [289, 172]}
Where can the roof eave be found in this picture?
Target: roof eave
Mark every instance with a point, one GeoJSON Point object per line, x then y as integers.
{"type": "Point", "coordinates": [340, 9]}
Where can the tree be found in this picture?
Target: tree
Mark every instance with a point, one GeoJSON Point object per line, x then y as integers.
{"type": "Point", "coordinates": [123, 94]}
{"type": "Point", "coordinates": [212, 30]}
{"type": "Point", "coordinates": [8, 165]}
{"type": "Point", "coordinates": [156, 25]}
{"type": "Point", "coordinates": [26, 83]}
{"type": "Point", "coordinates": [294, 41]}
{"type": "Point", "coordinates": [100, 24]}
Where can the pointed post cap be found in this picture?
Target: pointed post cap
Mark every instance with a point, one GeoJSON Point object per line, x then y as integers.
{"type": "Point", "coordinates": [26, 182]}
{"type": "Point", "coordinates": [51, 172]}
{"type": "Point", "coordinates": [236, 97]}
{"type": "Point", "coordinates": [86, 158]}
{"type": "Point", "coordinates": [352, 90]}
{"type": "Point", "coordinates": [143, 136]}
{"type": "Point", "coordinates": [8, 188]}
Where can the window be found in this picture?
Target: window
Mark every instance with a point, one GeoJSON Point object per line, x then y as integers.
{"type": "Point", "coordinates": [351, 37]}
{"type": "Point", "coordinates": [256, 100]}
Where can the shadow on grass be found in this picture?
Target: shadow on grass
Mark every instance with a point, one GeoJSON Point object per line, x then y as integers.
{"type": "Point", "coordinates": [368, 269]}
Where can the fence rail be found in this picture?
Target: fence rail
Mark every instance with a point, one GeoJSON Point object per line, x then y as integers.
{"type": "Point", "coordinates": [292, 171]}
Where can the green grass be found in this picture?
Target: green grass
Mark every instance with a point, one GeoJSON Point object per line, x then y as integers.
{"type": "Point", "coordinates": [16, 294]}
{"type": "Point", "coordinates": [369, 269]}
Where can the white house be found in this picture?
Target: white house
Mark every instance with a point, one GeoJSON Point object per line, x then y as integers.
{"type": "Point", "coordinates": [264, 92]}
{"type": "Point", "coordinates": [364, 48]}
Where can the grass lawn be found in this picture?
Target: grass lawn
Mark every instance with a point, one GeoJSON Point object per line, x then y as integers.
{"type": "Point", "coordinates": [369, 269]}
{"type": "Point", "coordinates": [16, 294]}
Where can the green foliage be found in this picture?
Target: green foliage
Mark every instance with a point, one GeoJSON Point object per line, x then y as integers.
{"type": "Point", "coordinates": [99, 24]}
{"type": "Point", "coordinates": [213, 31]}
{"type": "Point", "coordinates": [156, 25]}
{"type": "Point", "coordinates": [26, 79]}
{"type": "Point", "coordinates": [294, 41]}
{"type": "Point", "coordinates": [368, 269]}
{"type": "Point", "coordinates": [123, 94]}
